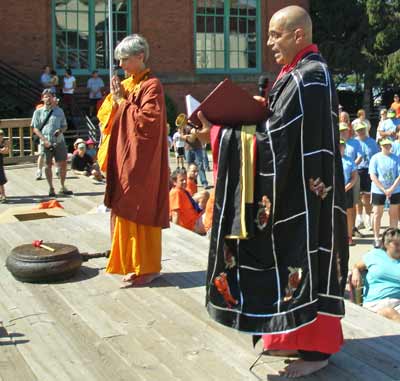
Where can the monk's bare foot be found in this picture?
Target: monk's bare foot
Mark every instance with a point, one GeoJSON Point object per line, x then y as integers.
{"type": "Point", "coordinates": [282, 353]}
{"type": "Point", "coordinates": [129, 277]}
{"type": "Point", "coordinates": [301, 368]}
{"type": "Point", "coordinates": [140, 280]}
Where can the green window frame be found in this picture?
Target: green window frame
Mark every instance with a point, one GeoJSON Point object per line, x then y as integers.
{"type": "Point", "coordinates": [227, 36]}
{"type": "Point", "coordinates": [80, 33]}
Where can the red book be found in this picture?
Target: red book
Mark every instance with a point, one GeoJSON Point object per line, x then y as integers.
{"type": "Point", "coordinates": [228, 104]}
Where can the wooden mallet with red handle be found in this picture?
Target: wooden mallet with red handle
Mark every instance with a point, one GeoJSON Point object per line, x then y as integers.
{"type": "Point", "coordinates": [39, 243]}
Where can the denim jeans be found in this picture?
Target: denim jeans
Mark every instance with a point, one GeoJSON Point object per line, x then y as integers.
{"type": "Point", "coordinates": [190, 156]}
{"type": "Point", "coordinates": [198, 156]}
{"type": "Point", "coordinates": [205, 160]}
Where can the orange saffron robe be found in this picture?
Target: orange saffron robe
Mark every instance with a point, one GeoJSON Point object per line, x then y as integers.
{"type": "Point", "coordinates": [179, 202]}
{"type": "Point", "coordinates": [191, 186]}
{"type": "Point", "coordinates": [208, 214]}
{"type": "Point", "coordinates": [134, 153]}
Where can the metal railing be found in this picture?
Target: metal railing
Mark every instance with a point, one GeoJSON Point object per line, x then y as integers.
{"type": "Point", "coordinates": [19, 133]}
{"type": "Point", "coordinates": [22, 148]}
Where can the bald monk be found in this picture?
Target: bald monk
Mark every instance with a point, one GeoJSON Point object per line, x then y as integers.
{"type": "Point", "coordinates": [134, 155]}
{"type": "Point", "coordinates": [284, 277]}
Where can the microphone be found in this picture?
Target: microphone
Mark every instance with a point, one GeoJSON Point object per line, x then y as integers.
{"type": "Point", "coordinates": [262, 85]}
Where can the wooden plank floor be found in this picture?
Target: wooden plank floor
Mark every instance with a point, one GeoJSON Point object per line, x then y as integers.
{"type": "Point", "coordinates": [87, 328]}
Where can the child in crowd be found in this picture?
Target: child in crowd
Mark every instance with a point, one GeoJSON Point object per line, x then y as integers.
{"type": "Point", "coordinates": [179, 147]}
{"type": "Point", "coordinates": [209, 211]}
{"type": "Point", "coordinates": [191, 183]}
{"type": "Point", "coordinates": [91, 149]}
{"type": "Point", "coordinates": [350, 178]}
{"type": "Point", "coordinates": [82, 163]}
{"type": "Point", "coordinates": [76, 142]}
{"type": "Point", "coordinates": [369, 148]}
{"type": "Point", "coordinates": [384, 170]}
{"type": "Point", "coordinates": [201, 199]}
{"type": "Point", "coordinates": [4, 149]}
{"type": "Point", "coordinates": [184, 211]}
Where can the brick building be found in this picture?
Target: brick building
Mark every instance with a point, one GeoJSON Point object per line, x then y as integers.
{"type": "Point", "coordinates": [193, 43]}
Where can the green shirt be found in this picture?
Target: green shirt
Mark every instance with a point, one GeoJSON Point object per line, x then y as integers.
{"type": "Point", "coordinates": [56, 122]}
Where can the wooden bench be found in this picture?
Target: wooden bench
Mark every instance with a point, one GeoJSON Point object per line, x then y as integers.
{"type": "Point", "coordinates": [89, 329]}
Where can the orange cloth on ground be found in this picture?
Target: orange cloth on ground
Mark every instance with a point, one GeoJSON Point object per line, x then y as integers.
{"type": "Point", "coordinates": [208, 216]}
{"type": "Point", "coordinates": [49, 205]}
{"type": "Point", "coordinates": [135, 248]}
{"type": "Point", "coordinates": [396, 107]}
{"type": "Point", "coordinates": [106, 116]}
{"type": "Point", "coordinates": [322, 335]}
{"type": "Point", "coordinates": [179, 202]}
{"type": "Point", "coordinates": [191, 186]}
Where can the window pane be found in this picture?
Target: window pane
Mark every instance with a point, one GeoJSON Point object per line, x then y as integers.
{"type": "Point", "coordinates": [73, 31]}
{"type": "Point", "coordinates": [212, 17]}
{"type": "Point", "coordinates": [242, 34]}
{"type": "Point", "coordinates": [219, 59]}
{"type": "Point", "coordinates": [61, 58]}
{"type": "Point", "coordinates": [233, 60]}
{"type": "Point", "coordinates": [209, 34]}
{"type": "Point", "coordinates": [83, 59]}
{"type": "Point", "coordinates": [252, 59]}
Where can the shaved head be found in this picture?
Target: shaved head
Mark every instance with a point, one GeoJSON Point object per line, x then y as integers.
{"type": "Point", "coordinates": [295, 17]}
{"type": "Point", "coordinates": [290, 31]}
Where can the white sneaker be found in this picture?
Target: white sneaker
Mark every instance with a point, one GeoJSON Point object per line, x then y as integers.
{"type": "Point", "coordinates": [359, 222]}
{"type": "Point", "coordinates": [367, 224]}
{"type": "Point", "coordinates": [377, 243]}
{"type": "Point", "coordinates": [38, 174]}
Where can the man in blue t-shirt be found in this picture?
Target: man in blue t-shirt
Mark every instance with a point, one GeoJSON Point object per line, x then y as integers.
{"type": "Point", "coordinates": [382, 282]}
{"type": "Point", "coordinates": [350, 178]}
{"type": "Point", "coordinates": [368, 148]}
{"type": "Point", "coordinates": [384, 169]}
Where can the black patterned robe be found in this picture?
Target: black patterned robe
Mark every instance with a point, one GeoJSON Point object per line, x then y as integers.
{"type": "Point", "coordinates": [250, 284]}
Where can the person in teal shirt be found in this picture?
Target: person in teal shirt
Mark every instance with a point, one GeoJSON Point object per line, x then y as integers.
{"type": "Point", "coordinates": [384, 169]}
{"type": "Point", "coordinates": [350, 178]}
{"type": "Point", "coordinates": [382, 281]}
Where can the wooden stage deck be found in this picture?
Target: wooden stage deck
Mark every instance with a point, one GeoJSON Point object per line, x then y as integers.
{"type": "Point", "coordinates": [89, 329]}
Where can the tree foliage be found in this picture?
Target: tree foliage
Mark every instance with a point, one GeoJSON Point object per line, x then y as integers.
{"type": "Point", "coordinates": [360, 36]}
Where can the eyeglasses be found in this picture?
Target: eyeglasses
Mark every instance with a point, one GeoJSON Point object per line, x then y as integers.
{"type": "Point", "coordinates": [273, 36]}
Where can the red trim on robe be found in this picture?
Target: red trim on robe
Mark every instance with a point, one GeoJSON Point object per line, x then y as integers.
{"type": "Point", "coordinates": [323, 335]}
{"type": "Point", "coordinates": [288, 68]}
{"type": "Point", "coordinates": [215, 140]}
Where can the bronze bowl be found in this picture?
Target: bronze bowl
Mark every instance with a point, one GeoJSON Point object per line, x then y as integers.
{"type": "Point", "coordinates": [37, 265]}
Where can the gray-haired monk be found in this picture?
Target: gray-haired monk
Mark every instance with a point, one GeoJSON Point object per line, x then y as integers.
{"type": "Point", "coordinates": [285, 280]}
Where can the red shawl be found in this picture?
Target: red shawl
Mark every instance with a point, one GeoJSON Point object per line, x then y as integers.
{"type": "Point", "coordinates": [137, 169]}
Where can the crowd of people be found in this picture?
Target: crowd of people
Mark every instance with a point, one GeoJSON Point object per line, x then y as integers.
{"type": "Point", "coordinates": [244, 250]}
{"type": "Point", "coordinates": [66, 88]}
{"type": "Point", "coordinates": [372, 170]}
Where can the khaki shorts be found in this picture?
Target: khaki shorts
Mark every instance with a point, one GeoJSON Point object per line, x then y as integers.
{"type": "Point", "coordinates": [384, 303]}
{"type": "Point", "coordinates": [59, 152]}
